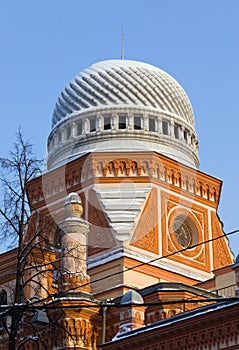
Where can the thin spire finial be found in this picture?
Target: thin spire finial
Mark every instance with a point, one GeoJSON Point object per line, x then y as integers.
{"type": "Point", "coordinates": [122, 44]}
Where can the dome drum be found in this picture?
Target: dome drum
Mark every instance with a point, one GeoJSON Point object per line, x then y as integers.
{"type": "Point", "coordinates": [141, 129]}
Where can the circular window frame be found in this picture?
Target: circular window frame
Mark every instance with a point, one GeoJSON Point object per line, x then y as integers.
{"type": "Point", "coordinates": [187, 218]}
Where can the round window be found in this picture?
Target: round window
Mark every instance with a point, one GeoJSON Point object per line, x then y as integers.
{"type": "Point", "coordinates": [182, 232]}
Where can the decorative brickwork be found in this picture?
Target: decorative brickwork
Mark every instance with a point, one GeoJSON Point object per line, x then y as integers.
{"type": "Point", "coordinates": [146, 233]}
{"type": "Point", "coordinates": [222, 256]}
{"type": "Point", "coordinates": [135, 165]}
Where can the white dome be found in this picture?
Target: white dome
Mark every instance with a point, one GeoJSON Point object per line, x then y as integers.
{"type": "Point", "coordinates": [131, 297]}
{"type": "Point", "coordinates": [121, 105]}
{"type": "Point", "coordinates": [123, 82]}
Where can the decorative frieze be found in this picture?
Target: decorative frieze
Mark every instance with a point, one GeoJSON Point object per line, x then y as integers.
{"type": "Point", "coordinates": [131, 165]}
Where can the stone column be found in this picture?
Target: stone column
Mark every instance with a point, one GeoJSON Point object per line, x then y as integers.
{"type": "Point", "coordinates": [171, 128]}
{"type": "Point", "coordinates": [98, 122]}
{"type": "Point", "coordinates": [73, 243]}
{"type": "Point", "coordinates": [145, 125]}
{"type": "Point", "coordinates": [182, 130]}
{"type": "Point", "coordinates": [130, 121]}
{"type": "Point", "coordinates": [85, 126]}
{"type": "Point", "coordinates": [159, 125]}
{"type": "Point", "coordinates": [74, 130]}
{"type": "Point", "coordinates": [114, 121]}
{"type": "Point", "coordinates": [63, 134]}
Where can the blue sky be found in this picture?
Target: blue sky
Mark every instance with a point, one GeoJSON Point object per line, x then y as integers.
{"type": "Point", "coordinates": [46, 43]}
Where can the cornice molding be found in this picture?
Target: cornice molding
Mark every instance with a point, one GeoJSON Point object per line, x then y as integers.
{"type": "Point", "coordinates": [117, 166]}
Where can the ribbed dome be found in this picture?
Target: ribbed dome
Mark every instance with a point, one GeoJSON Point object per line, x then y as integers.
{"type": "Point", "coordinates": [119, 82]}
{"type": "Point", "coordinates": [119, 106]}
